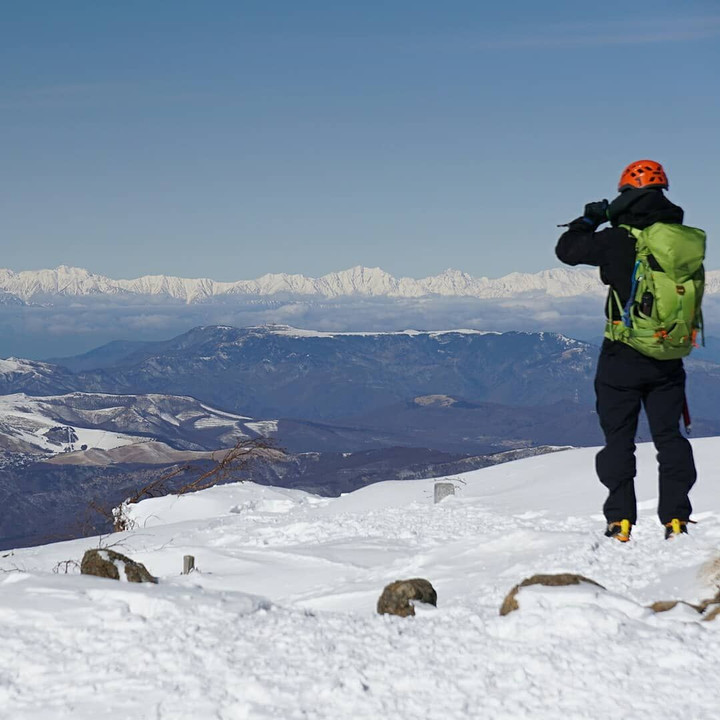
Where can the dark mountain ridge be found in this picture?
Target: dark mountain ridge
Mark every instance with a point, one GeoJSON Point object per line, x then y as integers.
{"type": "Point", "coordinates": [279, 372]}
{"type": "Point", "coordinates": [270, 372]}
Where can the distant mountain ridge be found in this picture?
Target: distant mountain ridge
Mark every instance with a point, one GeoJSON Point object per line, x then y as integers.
{"type": "Point", "coordinates": [357, 281]}
{"type": "Point", "coordinates": [278, 371]}
{"type": "Point", "coordinates": [284, 372]}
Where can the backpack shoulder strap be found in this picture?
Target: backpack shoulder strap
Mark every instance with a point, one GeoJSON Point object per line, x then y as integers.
{"type": "Point", "coordinates": [638, 236]}
{"type": "Point", "coordinates": [639, 248]}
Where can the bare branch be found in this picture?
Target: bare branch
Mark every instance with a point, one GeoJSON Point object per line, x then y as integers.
{"type": "Point", "coordinates": [231, 464]}
{"type": "Point", "coordinates": [65, 567]}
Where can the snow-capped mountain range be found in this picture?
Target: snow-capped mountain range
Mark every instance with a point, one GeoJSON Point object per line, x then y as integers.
{"type": "Point", "coordinates": [358, 281]}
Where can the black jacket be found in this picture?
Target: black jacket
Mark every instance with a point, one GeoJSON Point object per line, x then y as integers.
{"type": "Point", "coordinates": [613, 249]}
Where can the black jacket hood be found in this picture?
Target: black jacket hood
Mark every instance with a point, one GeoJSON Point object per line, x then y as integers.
{"type": "Point", "coordinates": [642, 207]}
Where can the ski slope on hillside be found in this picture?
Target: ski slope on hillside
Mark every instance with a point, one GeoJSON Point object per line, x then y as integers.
{"type": "Point", "coordinates": [26, 424]}
{"type": "Point", "coordinates": [279, 620]}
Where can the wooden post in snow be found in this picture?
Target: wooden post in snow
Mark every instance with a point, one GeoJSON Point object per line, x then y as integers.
{"type": "Point", "coordinates": [188, 564]}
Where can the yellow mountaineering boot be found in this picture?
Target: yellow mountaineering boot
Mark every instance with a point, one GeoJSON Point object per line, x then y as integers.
{"type": "Point", "coordinates": [675, 527]}
{"type": "Point", "coordinates": [619, 530]}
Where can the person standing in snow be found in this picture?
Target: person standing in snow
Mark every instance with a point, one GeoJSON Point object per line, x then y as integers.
{"type": "Point", "coordinates": [628, 378]}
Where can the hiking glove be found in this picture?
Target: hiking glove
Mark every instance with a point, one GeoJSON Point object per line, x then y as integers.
{"type": "Point", "coordinates": [596, 213]}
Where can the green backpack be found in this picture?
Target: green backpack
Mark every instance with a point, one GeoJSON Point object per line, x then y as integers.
{"type": "Point", "coordinates": [662, 316]}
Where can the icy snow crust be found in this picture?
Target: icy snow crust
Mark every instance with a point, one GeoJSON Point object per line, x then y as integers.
{"type": "Point", "coordinates": [279, 620]}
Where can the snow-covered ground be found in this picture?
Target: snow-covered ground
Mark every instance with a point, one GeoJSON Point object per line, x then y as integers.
{"type": "Point", "coordinates": [279, 620]}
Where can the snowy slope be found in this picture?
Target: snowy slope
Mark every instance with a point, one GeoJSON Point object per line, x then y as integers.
{"type": "Point", "coordinates": [38, 376]}
{"type": "Point", "coordinates": [279, 620]}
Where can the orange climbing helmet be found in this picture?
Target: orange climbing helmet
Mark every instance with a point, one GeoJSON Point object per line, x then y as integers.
{"type": "Point", "coordinates": [643, 174]}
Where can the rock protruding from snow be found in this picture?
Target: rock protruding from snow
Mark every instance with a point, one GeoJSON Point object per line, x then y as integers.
{"type": "Point", "coordinates": [709, 608]}
{"type": "Point", "coordinates": [106, 563]}
{"type": "Point", "coordinates": [398, 597]}
{"type": "Point", "coordinates": [662, 606]}
{"type": "Point", "coordinates": [561, 579]}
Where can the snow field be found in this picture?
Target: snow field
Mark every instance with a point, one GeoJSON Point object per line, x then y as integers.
{"type": "Point", "coordinates": [279, 621]}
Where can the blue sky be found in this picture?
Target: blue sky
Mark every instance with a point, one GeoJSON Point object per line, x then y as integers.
{"type": "Point", "coordinates": [230, 139]}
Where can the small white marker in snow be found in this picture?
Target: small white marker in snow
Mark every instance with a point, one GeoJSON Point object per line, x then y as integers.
{"type": "Point", "coordinates": [442, 490]}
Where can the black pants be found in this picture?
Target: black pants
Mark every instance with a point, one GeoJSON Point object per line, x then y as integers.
{"type": "Point", "coordinates": [625, 380]}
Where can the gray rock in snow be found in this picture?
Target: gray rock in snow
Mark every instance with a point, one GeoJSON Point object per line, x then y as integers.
{"type": "Point", "coordinates": [110, 564]}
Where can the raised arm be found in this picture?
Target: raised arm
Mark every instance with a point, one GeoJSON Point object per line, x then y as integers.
{"type": "Point", "coordinates": [580, 244]}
